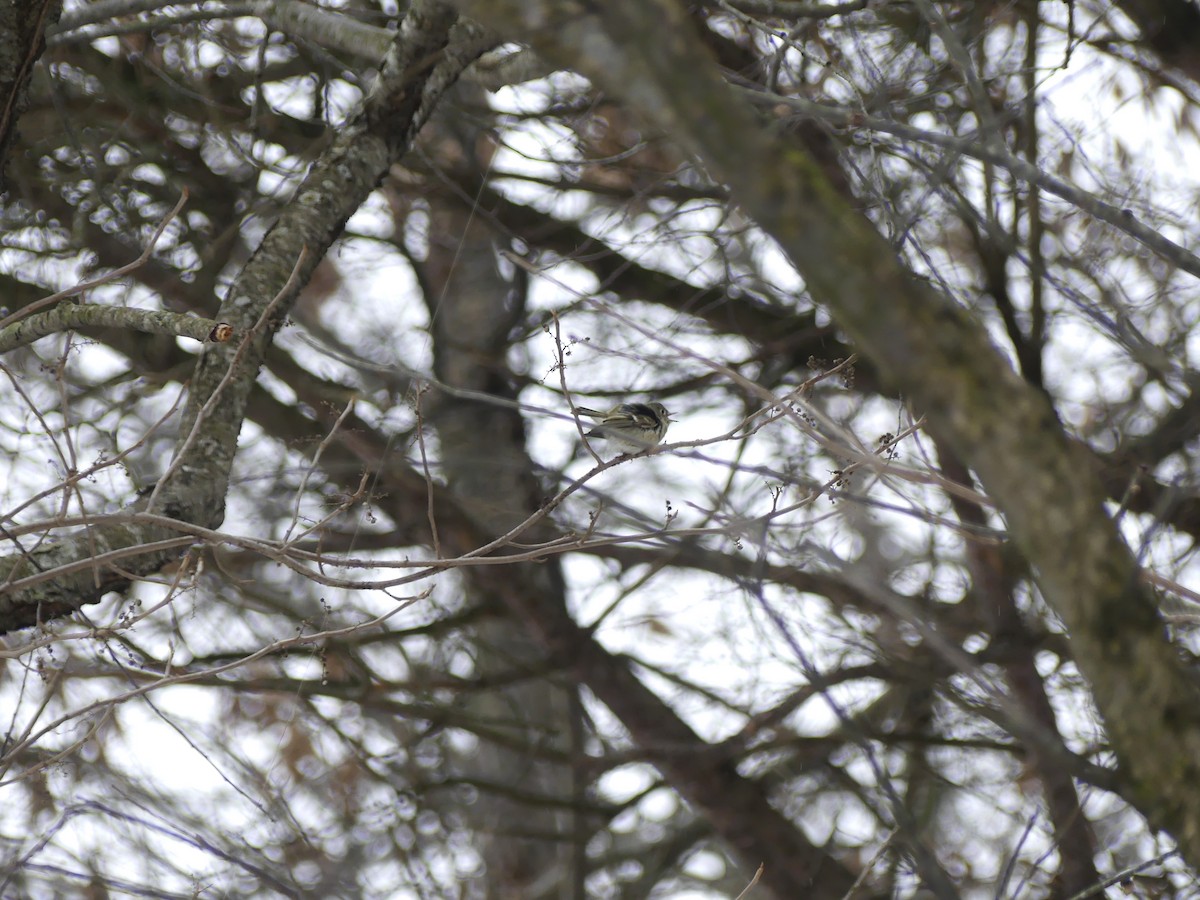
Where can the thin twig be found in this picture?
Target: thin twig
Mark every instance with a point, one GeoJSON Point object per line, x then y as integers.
{"type": "Point", "coordinates": [753, 881]}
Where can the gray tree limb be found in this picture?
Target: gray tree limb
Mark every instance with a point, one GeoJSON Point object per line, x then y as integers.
{"type": "Point", "coordinates": [67, 316]}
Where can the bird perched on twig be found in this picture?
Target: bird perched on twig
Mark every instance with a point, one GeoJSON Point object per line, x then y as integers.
{"type": "Point", "coordinates": [632, 426]}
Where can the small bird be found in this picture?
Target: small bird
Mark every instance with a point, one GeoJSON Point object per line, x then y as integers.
{"type": "Point", "coordinates": [632, 426]}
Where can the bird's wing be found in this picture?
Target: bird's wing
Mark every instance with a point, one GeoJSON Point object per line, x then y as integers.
{"type": "Point", "coordinates": [640, 413]}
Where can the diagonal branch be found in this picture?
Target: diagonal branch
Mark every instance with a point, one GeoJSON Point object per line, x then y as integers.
{"type": "Point", "coordinates": [429, 54]}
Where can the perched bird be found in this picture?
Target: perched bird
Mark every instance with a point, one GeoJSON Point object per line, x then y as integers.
{"type": "Point", "coordinates": [632, 426]}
